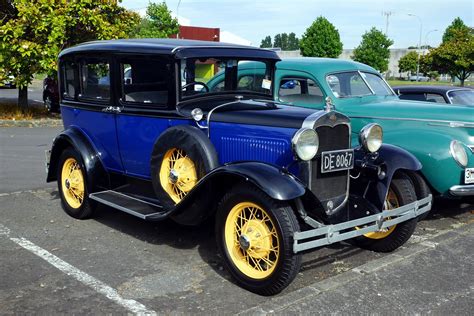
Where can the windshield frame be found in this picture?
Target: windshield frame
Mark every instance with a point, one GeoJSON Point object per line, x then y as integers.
{"type": "Point", "coordinates": [372, 92]}
{"type": "Point", "coordinates": [270, 70]}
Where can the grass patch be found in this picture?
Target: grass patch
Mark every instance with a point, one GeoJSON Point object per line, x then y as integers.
{"type": "Point", "coordinates": [427, 83]}
{"type": "Point", "coordinates": [14, 113]}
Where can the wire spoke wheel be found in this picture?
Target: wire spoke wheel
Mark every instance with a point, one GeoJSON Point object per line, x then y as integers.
{"type": "Point", "coordinates": [391, 202]}
{"type": "Point", "coordinates": [177, 174]}
{"type": "Point", "coordinates": [72, 182]}
{"type": "Point", "coordinates": [252, 240]}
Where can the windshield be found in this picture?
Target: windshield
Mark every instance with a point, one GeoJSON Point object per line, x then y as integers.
{"type": "Point", "coordinates": [465, 97]}
{"type": "Point", "coordinates": [356, 84]}
{"type": "Point", "coordinates": [203, 76]}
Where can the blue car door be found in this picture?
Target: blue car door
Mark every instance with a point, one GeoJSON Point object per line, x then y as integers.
{"type": "Point", "coordinates": [87, 105]}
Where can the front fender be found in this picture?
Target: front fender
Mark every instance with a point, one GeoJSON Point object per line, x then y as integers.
{"type": "Point", "coordinates": [378, 170]}
{"type": "Point", "coordinates": [73, 137]}
{"type": "Point", "coordinates": [202, 200]}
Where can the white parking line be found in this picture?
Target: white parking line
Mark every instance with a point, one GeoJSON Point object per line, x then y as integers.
{"type": "Point", "coordinates": [100, 287]}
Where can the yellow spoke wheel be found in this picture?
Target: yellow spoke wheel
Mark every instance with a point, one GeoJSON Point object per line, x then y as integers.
{"type": "Point", "coordinates": [72, 183]}
{"type": "Point", "coordinates": [252, 240]}
{"type": "Point", "coordinates": [177, 174]}
{"type": "Point", "coordinates": [391, 202]}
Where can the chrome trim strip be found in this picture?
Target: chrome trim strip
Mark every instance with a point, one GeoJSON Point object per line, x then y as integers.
{"type": "Point", "coordinates": [471, 147]}
{"type": "Point", "coordinates": [462, 190]}
{"type": "Point", "coordinates": [464, 124]}
{"type": "Point", "coordinates": [329, 234]}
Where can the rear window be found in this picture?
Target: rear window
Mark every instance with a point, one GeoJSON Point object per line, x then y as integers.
{"type": "Point", "coordinates": [69, 80]}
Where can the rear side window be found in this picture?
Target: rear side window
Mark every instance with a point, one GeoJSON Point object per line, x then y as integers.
{"type": "Point", "coordinates": [145, 81]}
{"type": "Point", "coordinates": [95, 80]}
{"type": "Point", "coordinates": [300, 91]}
{"type": "Point", "coordinates": [69, 80]}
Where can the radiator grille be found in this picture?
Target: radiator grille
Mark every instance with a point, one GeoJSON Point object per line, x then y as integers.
{"type": "Point", "coordinates": [331, 186]}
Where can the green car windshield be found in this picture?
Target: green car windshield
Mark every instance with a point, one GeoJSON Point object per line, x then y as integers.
{"type": "Point", "coordinates": [357, 84]}
{"type": "Point", "coordinates": [465, 97]}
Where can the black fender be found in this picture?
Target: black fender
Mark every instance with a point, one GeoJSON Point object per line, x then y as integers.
{"type": "Point", "coordinates": [202, 200]}
{"type": "Point", "coordinates": [376, 171]}
{"type": "Point", "coordinates": [75, 138]}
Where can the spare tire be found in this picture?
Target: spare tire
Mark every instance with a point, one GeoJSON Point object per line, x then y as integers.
{"type": "Point", "coordinates": [181, 156]}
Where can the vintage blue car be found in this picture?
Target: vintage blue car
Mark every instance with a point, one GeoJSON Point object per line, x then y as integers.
{"type": "Point", "coordinates": [153, 140]}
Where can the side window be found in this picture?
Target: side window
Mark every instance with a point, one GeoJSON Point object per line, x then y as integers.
{"type": "Point", "coordinates": [251, 82]}
{"type": "Point", "coordinates": [69, 80]}
{"type": "Point", "coordinates": [434, 97]}
{"type": "Point", "coordinates": [95, 80]}
{"type": "Point", "coordinates": [145, 81]}
{"type": "Point", "coordinates": [300, 91]}
{"type": "Point", "coordinates": [413, 96]}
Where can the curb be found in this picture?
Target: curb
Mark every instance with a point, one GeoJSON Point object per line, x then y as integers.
{"type": "Point", "coordinates": [280, 303]}
{"type": "Point", "coordinates": [32, 123]}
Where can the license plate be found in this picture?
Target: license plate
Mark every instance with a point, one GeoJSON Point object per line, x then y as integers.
{"type": "Point", "coordinates": [469, 175]}
{"type": "Point", "coordinates": [337, 160]}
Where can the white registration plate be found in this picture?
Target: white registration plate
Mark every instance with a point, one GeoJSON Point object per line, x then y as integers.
{"type": "Point", "coordinates": [337, 160]}
{"type": "Point", "coordinates": [469, 175]}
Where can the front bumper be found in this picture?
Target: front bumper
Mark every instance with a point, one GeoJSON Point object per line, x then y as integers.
{"type": "Point", "coordinates": [462, 190]}
{"type": "Point", "coordinates": [328, 234]}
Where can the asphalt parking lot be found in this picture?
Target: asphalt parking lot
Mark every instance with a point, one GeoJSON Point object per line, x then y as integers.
{"type": "Point", "coordinates": [115, 263]}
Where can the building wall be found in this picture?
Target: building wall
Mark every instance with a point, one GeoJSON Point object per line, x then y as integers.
{"type": "Point", "coordinates": [395, 55]}
{"type": "Point", "coordinates": [199, 33]}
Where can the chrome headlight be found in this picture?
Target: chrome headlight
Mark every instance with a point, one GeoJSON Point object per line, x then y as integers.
{"type": "Point", "coordinates": [305, 143]}
{"type": "Point", "coordinates": [370, 137]}
{"type": "Point", "coordinates": [459, 153]}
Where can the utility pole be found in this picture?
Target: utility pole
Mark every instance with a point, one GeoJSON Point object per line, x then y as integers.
{"type": "Point", "coordinates": [387, 15]}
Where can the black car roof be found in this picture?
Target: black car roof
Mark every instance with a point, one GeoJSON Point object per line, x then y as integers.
{"type": "Point", "coordinates": [178, 48]}
{"type": "Point", "coordinates": [425, 88]}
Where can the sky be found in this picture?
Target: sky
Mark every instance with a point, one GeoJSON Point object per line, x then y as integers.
{"type": "Point", "coordinates": [253, 20]}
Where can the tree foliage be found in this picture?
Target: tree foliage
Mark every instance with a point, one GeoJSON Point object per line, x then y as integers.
{"type": "Point", "coordinates": [31, 38]}
{"type": "Point", "coordinates": [456, 25]}
{"type": "Point", "coordinates": [408, 62]}
{"type": "Point", "coordinates": [266, 42]}
{"type": "Point", "coordinates": [283, 40]}
{"type": "Point", "coordinates": [321, 39]}
{"type": "Point", "coordinates": [158, 22]}
{"type": "Point", "coordinates": [374, 50]}
{"type": "Point", "coordinates": [455, 56]}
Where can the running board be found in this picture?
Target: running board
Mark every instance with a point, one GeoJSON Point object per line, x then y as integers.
{"type": "Point", "coordinates": [130, 204]}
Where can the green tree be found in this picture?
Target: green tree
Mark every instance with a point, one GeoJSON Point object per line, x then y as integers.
{"type": "Point", "coordinates": [408, 62]}
{"type": "Point", "coordinates": [374, 50]}
{"type": "Point", "coordinates": [277, 42]}
{"type": "Point", "coordinates": [455, 56]}
{"type": "Point", "coordinates": [266, 42]}
{"type": "Point", "coordinates": [456, 25]}
{"type": "Point", "coordinates": [321, 39]}
{"type": "Point", "coordinates": [31, 38]}
{"type": "Point", "coordinates": [293, 42]}
{"type": "Point", "coordinates": [158, 22]}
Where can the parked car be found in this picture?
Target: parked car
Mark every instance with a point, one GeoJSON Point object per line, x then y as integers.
{"type": "Point", "coordinates": [277, 179]}
{"type": "Point", "coordinates": [441, 137]}
{"type": "Point", "coordinates": [9, 82]}
{"type": "Point", "coordinates": [419, 78]}
{"type": "Point", "coordinates": [436, 94]}
{"type": "Point", "coordinates": [50, 94]}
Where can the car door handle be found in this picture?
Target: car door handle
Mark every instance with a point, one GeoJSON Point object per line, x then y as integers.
{"type": "Point", "coordinates": [112, 109]}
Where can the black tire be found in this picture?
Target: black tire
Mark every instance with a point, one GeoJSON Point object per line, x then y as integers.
{"type": "Point", "coordinates": [87, 206]}
{"type": "Point", "coordinates": [402, 187]}
{"type": "Point", "coordinates": [194, 144]}
{"type": "Point", "coordinates": [422, 190]}
{"type": "Point", "coordinates": [283, 225]}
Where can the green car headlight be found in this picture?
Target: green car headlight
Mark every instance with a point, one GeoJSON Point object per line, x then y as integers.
{"type": "Point", "coordinates": [459, 153]}
{"type": "Point", "coordinates": [305, 143]}
{"type": "Point", "coordinates": [370, 137]}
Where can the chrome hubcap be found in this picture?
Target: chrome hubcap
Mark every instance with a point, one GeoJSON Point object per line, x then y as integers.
{"type": "Point", "coordinates": [244, 242]}
{"type": "Point", "coordinates": [174, 175]}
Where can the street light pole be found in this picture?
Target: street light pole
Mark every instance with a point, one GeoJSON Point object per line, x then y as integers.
{"type": "Point", "coordinates": [177, 17]}
{"type": "Point", "coordinates": [426, 36]}
{"type": "Point", "coordinates": [419, 47]}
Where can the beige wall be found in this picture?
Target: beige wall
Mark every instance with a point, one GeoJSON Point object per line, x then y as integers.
{"type": "Point", "coordinates": [395, 55]}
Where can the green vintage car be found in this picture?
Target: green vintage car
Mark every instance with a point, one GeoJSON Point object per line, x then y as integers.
{"type": "Point", "coordinates": [441, 137]}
